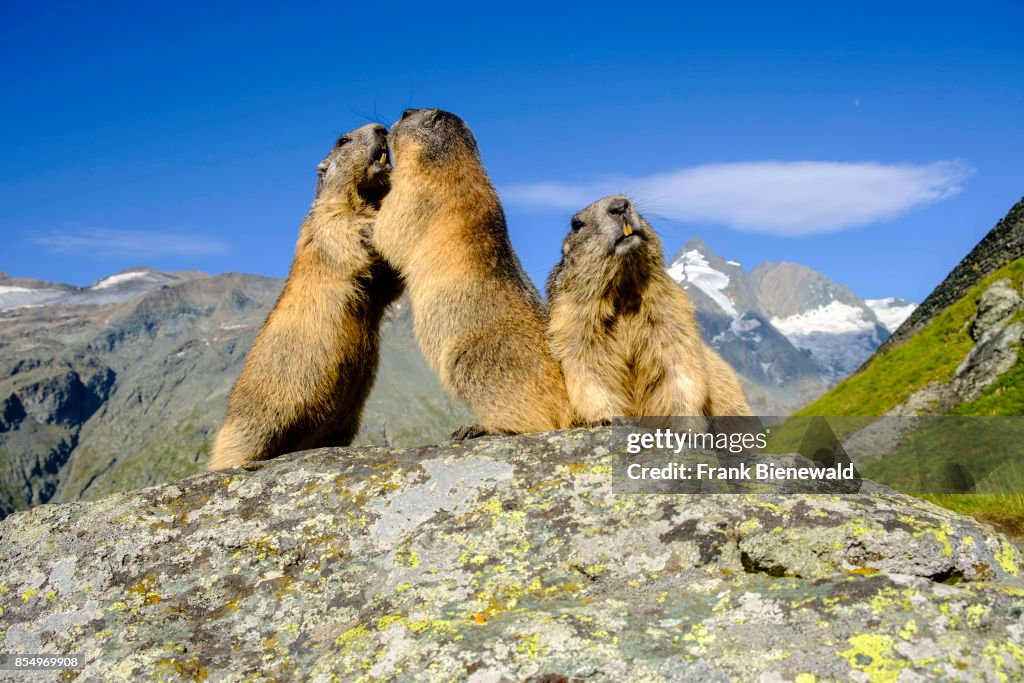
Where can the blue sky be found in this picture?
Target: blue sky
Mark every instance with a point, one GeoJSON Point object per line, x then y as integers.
{"type": "Point", "coordinates": [876, 142]}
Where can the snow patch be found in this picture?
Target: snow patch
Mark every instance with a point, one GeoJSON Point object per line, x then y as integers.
{"type": "Point", "coordinates": [836, 318]}
{"type": "Point", "coordinates": [12, 296]}
{"type": "Point", "coordinates": [839, 337]}
{"type": "Point", "coordinates": [694, 268]}
{"type": "Point", "coordinates": [741, 325]}
{"type": "Point", "coordinates": [890, 311]}
{"type": "Point", "coordinates": [120, 278]}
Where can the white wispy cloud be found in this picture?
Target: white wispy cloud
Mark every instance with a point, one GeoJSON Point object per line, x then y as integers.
{"type": "Point", "coordinates": [778, 197]}
{"type": "Point", "coordinates": [104, 242]}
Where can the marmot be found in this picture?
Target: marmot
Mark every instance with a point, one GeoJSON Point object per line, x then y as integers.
{"type": "Point", "coordinates": [314, 360]}
{"type": "Point", "coordinates": [624, 331]}
{"type": "Point", "coordinates": [479, 320]}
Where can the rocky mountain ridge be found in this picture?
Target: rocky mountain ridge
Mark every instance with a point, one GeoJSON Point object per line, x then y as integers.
{"type": "Point", "coordinates": [803, 331]}
{"type": "Point", "coordinates": [1002, 245]}
{"type": "Point", "coordinates": [106, 397]}
{"type": "Point", "coordinates": [123, 286]}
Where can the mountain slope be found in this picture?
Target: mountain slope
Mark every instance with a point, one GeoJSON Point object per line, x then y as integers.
{"type": "Point", "coordinates": [954, 346]}
{"type": "Point", "coordinates": [829, 321]}
{"type": "Point", "coordinates": [954, 357]}
{"type": "Point", "coordinates": [891, 311]}
{"type": "Point", "coordinates": [107, 397]}
{"type": "Point", "coordinates": [965, 361]}
{"type": "Point", "coordinates": [932, 355]}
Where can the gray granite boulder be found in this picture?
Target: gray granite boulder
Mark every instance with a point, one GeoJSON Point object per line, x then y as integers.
{"type": "Point", "coordinates": [505, 559]}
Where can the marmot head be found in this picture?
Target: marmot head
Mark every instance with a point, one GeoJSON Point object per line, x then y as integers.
{"type": "Point", "coordinates": [431, 137]}
{"type": "Point", "coordinates": [356, 171]}
{"type": "Point", "coordinates": [610, 246]}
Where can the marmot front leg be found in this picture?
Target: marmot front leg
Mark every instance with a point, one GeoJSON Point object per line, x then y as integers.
{"type": "Point", "coordinates": [679, 401]}
{"type": "Point", "coordinates": [592, 398]}
{"type": "Point", "coordinates": [475, 431]}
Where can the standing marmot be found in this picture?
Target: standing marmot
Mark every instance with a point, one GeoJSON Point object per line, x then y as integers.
{"type": "Point", "coordinates": [479, 320]}
{"type": "Point", "coordinates": [624, 331]}
{"type": "Point", "coordinates": [314, 361]}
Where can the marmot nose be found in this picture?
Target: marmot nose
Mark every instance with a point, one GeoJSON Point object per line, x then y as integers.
{"type": "Point", "coordinates": [408, 112]}
{"type": "Point", "coordinates": [618, 206]}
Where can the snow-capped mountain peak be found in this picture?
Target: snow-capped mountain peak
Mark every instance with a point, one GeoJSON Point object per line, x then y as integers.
{"type": "Point", "coordinates": [891, 311]}
{"type": "Point", "coordinates": [692, 267]}
{"type": "Point", "coordinates": [830, 329]}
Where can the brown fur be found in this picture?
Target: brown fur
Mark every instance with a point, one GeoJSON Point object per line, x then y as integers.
{"type": "Point", "coordinates": [479, 320]}
{"type": "Point", "coordinates": [314, 360]}
{"type": "Point", "coordinates": [624, 331]}
{"type": "Point", "coordinates": [725, 394]}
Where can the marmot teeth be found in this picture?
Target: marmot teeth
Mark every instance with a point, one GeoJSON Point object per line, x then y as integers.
{"type": "Point", "coordinates": [627, 337]}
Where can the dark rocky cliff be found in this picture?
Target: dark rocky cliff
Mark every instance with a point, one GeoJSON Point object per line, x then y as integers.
{"type": "Point", "coordinates": [1003, 244]}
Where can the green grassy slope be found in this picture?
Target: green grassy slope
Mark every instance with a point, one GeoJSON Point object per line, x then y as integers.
{"type": "Point", "coordinates": [926, 461]}
{"type": "Point", "coordinates": [931, 355]}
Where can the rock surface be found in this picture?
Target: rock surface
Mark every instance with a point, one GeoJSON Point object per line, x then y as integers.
{"type": "Point", "coordinates": [996, 350]}
{"type": "Point", "coordinates": [504, 559]}
{"type": "Point", "coordinates": [997, 305]}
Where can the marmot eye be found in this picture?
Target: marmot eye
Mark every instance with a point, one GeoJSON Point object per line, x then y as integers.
{"type": "Point", "coordinates": [577, 224]}
{"type": "Point", "coordinates": [343, 139]}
